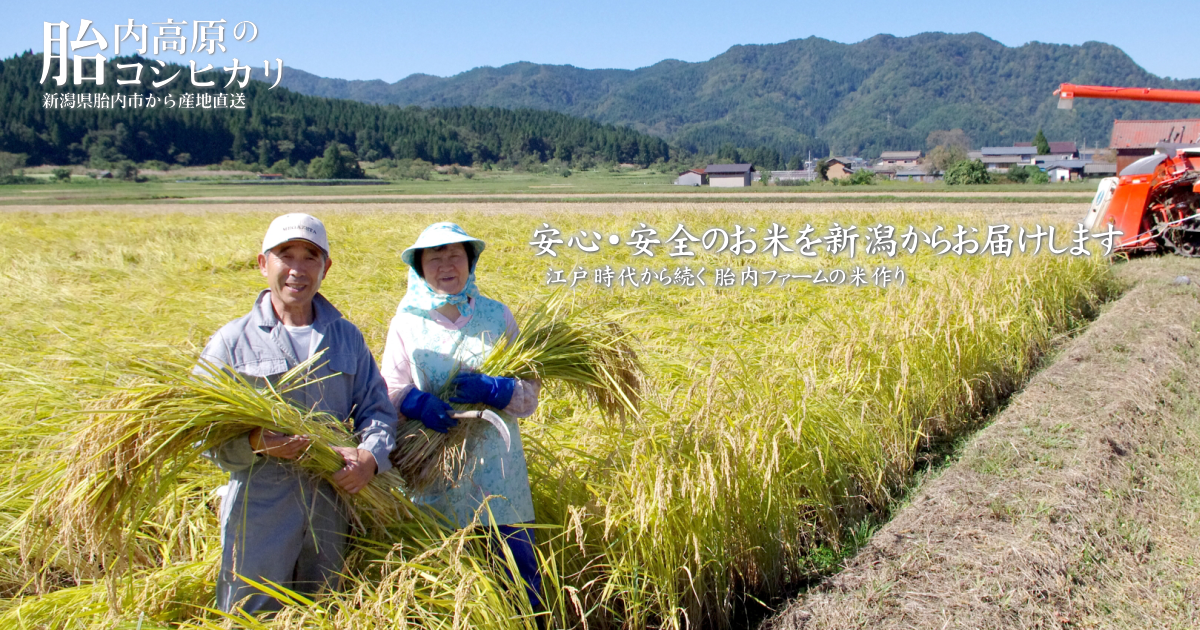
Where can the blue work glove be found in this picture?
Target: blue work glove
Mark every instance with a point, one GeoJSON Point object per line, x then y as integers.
{"type": "Point", "coordinates": [432, 411]}
{"type": "Point", "coordinates": [493, 391]}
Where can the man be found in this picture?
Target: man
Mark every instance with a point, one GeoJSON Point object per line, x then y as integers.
{"type": "Point", "coordinates": [278, 523]}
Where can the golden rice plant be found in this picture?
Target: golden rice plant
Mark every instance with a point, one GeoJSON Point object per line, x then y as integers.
{"type": "Point", "coordinates": [161, 595]}
{"type": "Point", "coordinates": [133, 445]}
{"type": "Point", "coordinates": [772, 419]}
{"type": "Point", "coordinates": [557, 344]}
{"type": "Point", "coordinates": [426, 578]}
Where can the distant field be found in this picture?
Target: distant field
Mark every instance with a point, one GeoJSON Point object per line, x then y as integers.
{"type": "Point", "coordinates": [639, 210]}
{"type": "Point", "coordinates": [637, 183]}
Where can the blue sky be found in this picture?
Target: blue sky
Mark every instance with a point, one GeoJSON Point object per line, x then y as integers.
{"type": "Point", "coordinates": [354, 39]}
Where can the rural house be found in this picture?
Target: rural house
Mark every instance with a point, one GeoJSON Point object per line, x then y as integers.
{"type": "Point", "coordinates": [839, 168]}
{"type": "Point", "coordinates": [1058, 151]}
{"type": "Point", "coordinates": [1069, 149]}
{"type": "Point", "coordinates": [1067, 152]}
{"type": "Point", "coordinates": [1135, 139]}
{"type": "Point", "coordinates": [898, 159]}
{"type": "Point", "coordinates": [729, 175]}
{"type": "Point", "coordinates": [1001, 158]}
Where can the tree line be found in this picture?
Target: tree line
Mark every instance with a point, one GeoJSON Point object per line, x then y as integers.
{"type": "Point", "coordinates": [279, 125]}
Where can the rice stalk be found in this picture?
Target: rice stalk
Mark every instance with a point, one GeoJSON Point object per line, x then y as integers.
{"type": "Point", "coordinates": [133, 445]}
{"type": "Point", "coordinates": [557, 344]}
{"type": "Point", "coordinates": [773, 420]}
{"type": "Point", "coordinates": [161, 596]}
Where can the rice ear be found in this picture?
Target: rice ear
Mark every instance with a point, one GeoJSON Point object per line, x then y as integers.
{"type": "Point", "coordinates": [593, 357]}
{"type": "Point", "coordinates": [134, 443]}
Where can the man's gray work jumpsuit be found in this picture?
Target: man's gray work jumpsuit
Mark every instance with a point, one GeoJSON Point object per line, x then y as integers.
{"type": "Point", "coordinates": [278, 523]}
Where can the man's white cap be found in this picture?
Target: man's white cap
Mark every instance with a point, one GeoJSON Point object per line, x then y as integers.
{"type": "Point", "coordinates": [296, 225]}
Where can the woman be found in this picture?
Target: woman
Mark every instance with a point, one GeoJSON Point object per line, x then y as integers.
{"type": "Point", "coordinates": [444, 325]}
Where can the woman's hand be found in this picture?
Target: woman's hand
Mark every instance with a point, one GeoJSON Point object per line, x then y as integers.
{"type": "Point", "coordinates": [472, 387]}
{"type": "Point", "coordinates": [432, 411]}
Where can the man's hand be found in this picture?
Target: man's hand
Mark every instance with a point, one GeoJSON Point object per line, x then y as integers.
{"type": "Point", "coordinates": [276, 444]}
{"type": "Point", "coordinates": [360, 469]}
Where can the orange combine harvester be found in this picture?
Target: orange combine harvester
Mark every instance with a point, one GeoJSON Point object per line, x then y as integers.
{"type": "Point", "coordinates": [1155, 201]}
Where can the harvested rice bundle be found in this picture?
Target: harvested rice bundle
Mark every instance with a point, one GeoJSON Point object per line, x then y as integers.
{"type": "Point", "coordinates": [592, 358]}
{"type": "Point", "coordinates": [135, 443]}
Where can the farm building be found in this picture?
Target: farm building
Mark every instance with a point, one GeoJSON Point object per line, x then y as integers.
{"type": "Point", "coordinates": [692, 177]}
{"type": "Point", "coordinates": [1099, 169]}
{"type": "Point", "coordinates": [794, 176]}
{"type": "Point", "coordinates": [886, 170]}
{"type": "Point", "coordinates": [918, 173]}
{"type": "Point", "coordinates": [1064, 170]}
{"type": "Point", "coordinates": [729, 175]}
{"type": "Point", "coordinates": [1135, 139]}
{"type": "Point", "coordinates": [1059, 173]}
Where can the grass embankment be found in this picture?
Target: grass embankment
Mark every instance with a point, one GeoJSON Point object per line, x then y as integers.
{"type": "Point", "coordinates": [775, 418]}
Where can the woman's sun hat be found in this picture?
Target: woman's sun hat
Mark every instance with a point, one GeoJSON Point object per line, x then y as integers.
{"type": "Point", "coordinates": [440, 234]}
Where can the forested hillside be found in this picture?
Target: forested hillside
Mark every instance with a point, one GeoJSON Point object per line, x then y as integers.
{"type": "Point", "coordinates": [812, 94]}
{"type": "Point", "coordinates": [281, 124]}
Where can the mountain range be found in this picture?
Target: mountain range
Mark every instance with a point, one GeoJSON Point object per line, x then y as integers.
{"type": "Point", "coordinates": [811, 95]}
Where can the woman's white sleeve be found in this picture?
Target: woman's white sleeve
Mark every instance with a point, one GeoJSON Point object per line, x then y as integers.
{"type": "Point", "coordinates": [525, 394]}
{"type": "Point", "coordinates": [396, 367]}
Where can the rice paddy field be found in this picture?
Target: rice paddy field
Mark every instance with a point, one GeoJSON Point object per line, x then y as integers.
{"type": "Point", "coordinates": [778, 421]}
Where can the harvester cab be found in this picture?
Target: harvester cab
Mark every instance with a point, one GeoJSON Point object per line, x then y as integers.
{"type": "Point", "coordinates": [1155, 201]}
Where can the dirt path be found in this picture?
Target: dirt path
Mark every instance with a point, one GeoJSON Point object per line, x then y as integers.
{"type": "Point", "coordinates": [1078, 507]}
